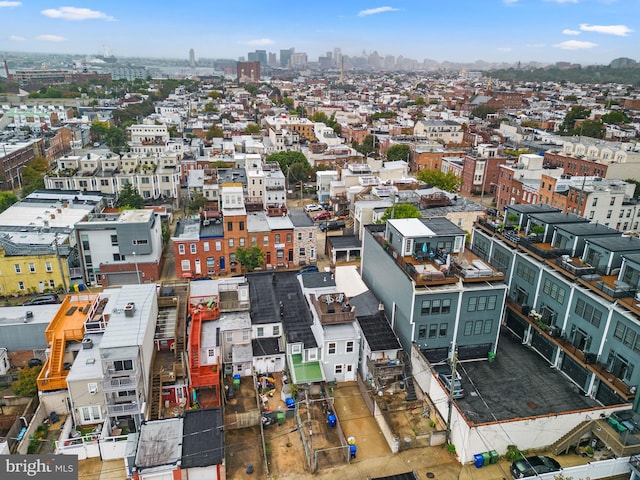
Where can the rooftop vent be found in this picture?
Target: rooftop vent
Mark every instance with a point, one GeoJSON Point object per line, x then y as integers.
{"type": "Point", "coordinates": [87, 343]}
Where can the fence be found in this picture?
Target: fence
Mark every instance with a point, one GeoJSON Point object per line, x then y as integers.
{"type": "Point", "coordinates": [28, 419]}
{"type": "Point", "coordinates": [388, 434]}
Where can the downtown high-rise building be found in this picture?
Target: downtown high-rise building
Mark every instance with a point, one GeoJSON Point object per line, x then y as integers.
{"type": "Point", "coordinates": [285, 57]}
{"type": "Point", "coordinates": [192, 58]}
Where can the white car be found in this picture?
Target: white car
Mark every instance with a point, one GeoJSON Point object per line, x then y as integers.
{"type": "Point", "coordinates": [312, 208]}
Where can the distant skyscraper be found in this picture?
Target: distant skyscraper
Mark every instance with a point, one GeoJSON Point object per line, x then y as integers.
{"type": "Point", "coordinates": [273, 61]}
{"type": "Point", "coordinates": [192, 58]}
{"type": "Point", "coordinates": [337, 55]}
{"type": "Point", "coordinates": [285, 57]}
{"type": "Point", "coordinates": [258, 56]}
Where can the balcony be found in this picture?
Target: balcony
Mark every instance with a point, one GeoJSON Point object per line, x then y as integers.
{"type": "Point", "coordinates": [385, 370]}
{"type": "Point", "coordinates": [333, 308]}
{"type": "Point", "coordinates": [274, 188]}
{"type": "Point", "coordinates": [574, 266]}
{"type": "Point", "coordinates": [123, 409]}
{"type": "Point", "coordinates": [122, 383]}
{"type": "Point", "coordinates": [609, 287]}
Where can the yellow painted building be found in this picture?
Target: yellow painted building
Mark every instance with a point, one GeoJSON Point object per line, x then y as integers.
{"type": "Point", "coordinates": [23, 274]}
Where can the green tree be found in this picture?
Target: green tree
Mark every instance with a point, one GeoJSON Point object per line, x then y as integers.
{"type": "Point", "coordinates": [250, 257]}
{"type": "Point", "coordinates": [615, 118]}
{"type": "Point", "coordinates": [288, 102]}
{"type": "Point", "coordinates": [129, 198]}
{"type": "Point", "coordinates": [576, 113]}
{"type": "Point", "coordinates": [6, 200]}
{"type": "Point", "coordinates": [401, 210]}
{"type": "Point", "coordinates": [319, 117]}
{"type": "Point", "coordinates": [27, 385]}
{"type": "Point", "coordinates": [252, 89]}
{"type": "Point", "coordinates": [209, 107]}
{"type": "Point", "coordinates": [590, 128]}
{"type": "Point", "coordinates": [116, 139]}
{"type": "Point", "coordinates": [294, 165]}
{"type": "Point", "coordinates": [33, 175]}
{"type": "Point", "coordinates": [367, 147]}
{"type": "Point", "coordinates": [98, 130]}
{"type": "Point", "coordinates": [214, 132]}
{"type": "Point", "coordinates": [481, 111]}
{"type": "Point", "coordinates": [173, 131]}
{"type": "Point", "coordinates": [196, 203]}
{"type": "Point", "coordinates": [251, 129]}
{"type": "Point", "coordinates": [398, 152]}
{"type": "Point", "coordinates": [448, 182]}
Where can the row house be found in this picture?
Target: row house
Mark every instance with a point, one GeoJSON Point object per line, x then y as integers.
{"type": "Point", "coordinates": [480, 171]}
{"type": "Point", "coordinates": [521, 182]}
{"type": "Point", "coordinates": [14, 157]}
{"type": "Point", "coordinates": [152, 177]}
{"type": "Point", "coordinates": [444, 131]}
{"type": "Point", "coordinates": [572, 296]}
{"type": "Point", "coordinates": [121, 248]}
{"type": "Point", "coordinates": [438, 295]}
{"type": "Point", "coordinates": [143, 138]}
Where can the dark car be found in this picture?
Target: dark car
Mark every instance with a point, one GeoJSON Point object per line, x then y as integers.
{"type": "Point", "coordinates": [532, 466]}
{"type": "Point", "coordinates": [48, 299]}
{"type": "Point", "coordinates": [308, 269]}
{"type": "Point", "coordinates": [332, 225]}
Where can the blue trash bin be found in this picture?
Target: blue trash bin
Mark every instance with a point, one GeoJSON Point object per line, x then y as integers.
{"type": "Point", "coordinates": [478, 460]}
{"type": "Point", "coordinates": [331, 420]}
{"type": "Point", "coordinates": [352, 451]}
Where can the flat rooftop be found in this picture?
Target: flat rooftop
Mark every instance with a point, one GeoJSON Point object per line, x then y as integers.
{"type": "Point", "coordinates": [518, 384]}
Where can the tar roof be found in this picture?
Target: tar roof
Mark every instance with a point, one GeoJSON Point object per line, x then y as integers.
{"type": "Point", "coordinates": [160, 443]}
{"type": "Point", "coordinates": [378, 332]}
{"type": "Point", "coordinates": [344, 241]}
{"type": "Point", "coordinates": [583, 229]}
{"type": "Point", "coordinates": [203, 442]}
{"type": "Point", "coordinates": [318, 280]}
{"type": "Point", "coordinates": [540, 390]}
{"type": "Point", "coordinates": [265, 346]}
{"type": "Point", "coordinates": [267, 290]}
{"type": "Point", "coordinates": [555, 218]}
{"type": "Point", "coordinates": [300, 219]}
{"type": "Point", "coordinates": [621, 244]}
{"type": "Point", "coordinates": [442, 226]}
{"type": "Point", "coordinates": [532, 208]}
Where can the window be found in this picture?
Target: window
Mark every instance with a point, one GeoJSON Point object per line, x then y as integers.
{"type": "Point", "coordinates": [32, 268]}
{"type": "Point", "coordinates": [218, 245]}
{"type": "Point", "coordinates": [181, 249]}
{"type": "Point", "coordinates": [254, 241]}
{"type": "Point", "coordinates": [90, 414]}
{"type": "Point", "coordinates": [468, 328]}
{"type": "Point", "coordinates": [433, 330]}
{"type": "Point", "coordinates": [229, 336]}
{"type": "Point", "coordinates": [526, 273]}
{"type": "Point", "coordinates": [140, 242]}
{"type": "Point", "coordinates": [482, 303]}
{"type": "Point", "coordinates": [260, 332]}
{"type": "Point", "coordinates": [92, 387]}
{"type": "Point", "coordinates": [114, 240]}
{"type": "Point", "coordinates": [443, 330]}
{"type": "Point", "coordinates": [122, 365]}
{"type": "Point", "coordinates": [488, 325]}
{"type": "Point", "coordinates": [277, 238]}
{"type": "Point", "coordinates": [609, 212]}
{"type": "Point", "coordinates": [205, 246]}
{"type": "Point", "coordinates": [588, 312]}
{"type": "Point", "coordinates": [231, 243]}
{"type": "Point", "coordinates": [230, 226]}
{"type": "Point", "coordinates": [241, 225]}
{"type": "Point", "coordinates": [613, 201]}
{"type": "Point", "coordinates": [265, 240]}
{"type": "Point", "coordinates": [48, 267]}
{"type": "Point", "coordinates": [116, 257]}
{"type": "Point", "coordinates": [338, 369]}
{"type": "Point", "coordinates": [426, 307]}
{"type": "Point", "coordinates": [302, 252]}
{"type": "Point", "coordinates": [477, 330]}
{"type": "Point", "coordinates": [20, 285]}
{"type": "Point", "coordinates": [242, 242]}
{"type": "Point", "coordinates": [491, 303]}
{"type": "Point", "coordinates": [289, 238]}
{"type": "Point", "coordinates": [331, 348]}
{"type": "Point", "coordinates": [17, 268]}
{"type": "Point", "coordinates": [186, 265]}
{"type": "Point", "coordinates": [422, 332]}
{"type": "Point", "coordinates": [595, 202]}
{"type": "Point", "coordinates": [276, 330]}
{"type": "Point", "coordinates": [446, 306]}
{"type": "Point", "coordinates": [349, 347]}
{"type": "Point", "coordinates": [193, 248]}
{"type": "Point", "coordinates": [554, 291]}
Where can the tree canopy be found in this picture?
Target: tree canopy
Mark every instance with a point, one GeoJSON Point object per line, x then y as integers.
{"type": "Point", "coordinates": [26, 385]}
{"type": "Point", "coordinates": [252, 128]}
{"type": "Point", "coordinates": [615, 118]}
{"type": "Point", "coordinates": [481, 111]}
{"type": "Point", "coordinates": [214, 132]}
{"type": "Point", "coordinates": [448, 182]}
{"type": "Point", "coordinates": [197, 202]}
{"type": "Point", "coordinates": [33, 175]}
{"type": "Point", "coordinates": [576, 113]}
{"type": "Point", "coordinates": [6, 200]}
{"type": "Point", "coordinates": [129, 198]}
{"type": "Point", "coordinates": [250, 257]}
{"type": "Point", "coordinates": [293, 164]}
{"type": "Point", "coordinates": [401, 210]}
{"type": "Point", "coordinates": [398, 152]}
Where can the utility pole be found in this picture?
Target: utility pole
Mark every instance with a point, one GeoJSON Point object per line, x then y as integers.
{"type": "Point", "coordinates": [451, 390]}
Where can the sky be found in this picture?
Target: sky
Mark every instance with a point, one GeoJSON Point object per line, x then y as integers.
{"type": "Point", "coordinates": [578, 31]}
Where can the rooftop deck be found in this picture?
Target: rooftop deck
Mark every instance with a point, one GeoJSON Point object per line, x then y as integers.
{"type": "Point", "coordinates": [333, 308]}
{"type": "Point", "coordinates": [305, 372]}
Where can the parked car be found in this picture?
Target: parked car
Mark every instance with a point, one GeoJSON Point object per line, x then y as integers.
{"type": "Point", "coordinates": [322, 216]}
{"type": "Point", "coordinates": [444, 374]}
{"type": "Point", "coordinates": [532, 466]}
{"type": "Point", "coordinates": [48, 299]}
{"type": "Point", "coordinates": [35, 362]}
{"type": "Point", "coordinates": [308, 269]}
{"type": "Point", "coordinates": [332, 225]}
{"type": "Point", "coordinates": [312, 207]}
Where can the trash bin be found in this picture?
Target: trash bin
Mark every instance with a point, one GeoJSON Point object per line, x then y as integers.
{"type": "Point", "coordinates": [352, 451]}
{"type": "Point", "coordinates": [478, 460]}
{"type": "Point", "coordinates": [491, 356]}
{"type": "Point", "coordinates": [236, 381]}
{"type": "Point", "coordinates": [331, 420]}
{"type": "Point", "coordinates": [486, 457]}
{"type": "Point", "coordinates": [280, 416]}
{"type": "Point", "coordinates": [291, 403]}
{"type": "Point", "coordinates": [249, 467]}
{"type": "Point", "coordinates": [494, 456]}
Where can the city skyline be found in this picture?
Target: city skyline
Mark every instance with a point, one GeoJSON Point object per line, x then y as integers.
{"type": "Point", "coordinates": [547, 31]}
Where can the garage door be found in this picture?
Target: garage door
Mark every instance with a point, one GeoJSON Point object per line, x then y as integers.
{"type": "Point", "coordinates": [121, 278]}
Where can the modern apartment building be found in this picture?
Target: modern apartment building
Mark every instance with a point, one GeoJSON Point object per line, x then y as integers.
{"type": "Point", "coordinates": [437, 295]}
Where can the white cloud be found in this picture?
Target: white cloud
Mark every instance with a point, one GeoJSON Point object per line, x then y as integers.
{"type": "Point", "coordinates": [568, 31]}
{"type": "Point", "coordinates": [504, 49]}
{"type": "Point", "coordinates": [10, 4]}
{"type": "Point", "coordinates": [259, 42]}
{"type": "Point", "coordinates": [74, 13]}
{"type": "Point", "coordinates": [51, 38]}
{"type": "Point", "coordinates": [563, 1]}
{"type": "Point", "coordinates": [17, 38]}
{"type": "Point", "coordinates": [618, 30]}
{"type": "Point", "coordinates": [373, 11]}
{"type": "Point", "coordinates": [575, 45]}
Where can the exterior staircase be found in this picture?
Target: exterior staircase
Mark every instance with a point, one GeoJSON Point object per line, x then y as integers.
{"type": "Point", "coordinates": [572, 437]}
{"type": "Point", "coordinates": [156, 397]}
{"type": "Point", "coordinates": [409, 387]}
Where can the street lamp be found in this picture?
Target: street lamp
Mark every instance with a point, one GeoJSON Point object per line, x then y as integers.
{"type": "Point", "coordinates": [135, 261]}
